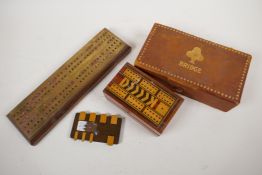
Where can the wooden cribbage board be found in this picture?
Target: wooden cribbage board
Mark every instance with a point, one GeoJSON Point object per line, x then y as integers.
{"type": "Point", "coordinates": [145, 99]}
{"type": "Point", "coordinates": [46, 105]}
{"type": "Point", "coordinates": [98, 128]}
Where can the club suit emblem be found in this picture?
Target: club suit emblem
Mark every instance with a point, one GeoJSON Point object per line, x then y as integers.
{"type": "Point", "coordinates": [195, 55]}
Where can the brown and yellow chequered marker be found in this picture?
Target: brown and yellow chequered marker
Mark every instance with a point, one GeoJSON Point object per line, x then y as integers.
{"type": "Point", "coordinates": [98, 128]}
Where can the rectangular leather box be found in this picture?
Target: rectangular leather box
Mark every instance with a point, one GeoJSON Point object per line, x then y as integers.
{"type": "Point", "coordinates": [197, 68]}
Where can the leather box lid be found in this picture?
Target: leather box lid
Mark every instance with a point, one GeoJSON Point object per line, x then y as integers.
{"type": "Point", "coordinates": [190, 61]}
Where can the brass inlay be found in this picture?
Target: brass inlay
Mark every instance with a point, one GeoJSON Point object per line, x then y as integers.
{"type": "Point", "coordinates": [141, 93]}
{"type": "Point", "coordinates": [83, 136]}
{"type": "Point", "coordinates": [165, 97]}
{"type": "Point", "coordinates": [162, 108]}
{"type": "Point", "coordinates": [91, 137]}
{"type": "Point", "coordinates": [110, 140]}
{"type": "Point", "coordinates": [135, 103]}
{"type": "Point", "coordinates": [76, 135]}
{"type": "Point", "coordinates": [152, 115]}
{"type": "Point", "coordinates": [117, 90]}
{"type": "Point", "coordinates": [114, 119]}
{"type": "Point", "coordinates": [132, 75]}
{"type": "Point", "coordinates": [82, 116]}
{"type": "Point", "coordinates": [152, 102]}
{"type": "Point", "coordinates": [92, 117]}
{"type": "Point", "coordinates": [136, 90]}
{"type": "Point", "coordinates": [148, 86]}
{"type": "Point", "coordinates": [103, 118]}
{"type": "Point", "coordinates": [145, 97]}
{"type": "Point", "coordinates": [124, 83]}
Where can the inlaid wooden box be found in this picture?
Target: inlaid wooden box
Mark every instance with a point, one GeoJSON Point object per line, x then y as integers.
{"type": "Point", "coordinates": [146, 100]}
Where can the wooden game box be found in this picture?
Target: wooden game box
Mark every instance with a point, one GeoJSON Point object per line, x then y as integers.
{"type": "Point", "coordinates": [148, 101]}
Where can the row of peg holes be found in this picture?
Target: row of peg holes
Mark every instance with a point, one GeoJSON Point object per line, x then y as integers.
{"type": "Point", "coordinates": [51, 106]}
{"type": "Point", "coordinates": [152, 116]}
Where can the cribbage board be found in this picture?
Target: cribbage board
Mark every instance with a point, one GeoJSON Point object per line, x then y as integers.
{"type": "Point", "coordinates": [143, 98]}
{"type": "Point", "coordinates": [45, 106]}
{"type": "Point", "coordinates": [98, 128]}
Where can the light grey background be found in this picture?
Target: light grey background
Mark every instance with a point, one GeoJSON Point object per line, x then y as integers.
{"type": "Point", "coordinates": [37, 37]}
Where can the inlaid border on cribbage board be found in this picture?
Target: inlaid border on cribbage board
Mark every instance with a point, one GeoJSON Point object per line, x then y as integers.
{"type": "Point", "coordinates": [126, 92]}
{"type": "Point", "coordinates": [107, 129]}
{"type": "Point", "coordinates": [45, 106]}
